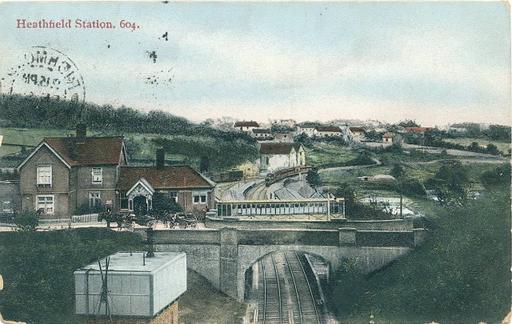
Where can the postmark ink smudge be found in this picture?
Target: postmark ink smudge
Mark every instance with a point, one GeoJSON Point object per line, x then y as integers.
{"type": "Point", "coordinates": [152, 55]}
{"type": "Point", "coordinates": [46, 72]}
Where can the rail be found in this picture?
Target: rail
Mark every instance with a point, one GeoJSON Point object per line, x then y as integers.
{"type": "Point", "coordinates": [299, 306]}
{"type": "Point", "coordinates": [309, 288]}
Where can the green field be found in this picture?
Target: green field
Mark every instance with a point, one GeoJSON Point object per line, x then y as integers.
{"type": "Point", "coordinates": [322, 154]}
{"type": "Point", "coordinates": [502, 146]}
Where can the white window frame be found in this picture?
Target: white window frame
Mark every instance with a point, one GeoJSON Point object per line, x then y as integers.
{"type": "Point", "coordinates": [174, 196]}
{"type": "Point", "coordinates": [94, 196]}
{"type": "Point", "coordinates": [46, 204]}
{"type": "Point", "coordinates": [200, 196]}
{"type": "Point", "coordinates": [9, 208]}
{"type": "Point", "coordinates": [99, 177]}
{"type": "Point", "coordinates": [44, 180]}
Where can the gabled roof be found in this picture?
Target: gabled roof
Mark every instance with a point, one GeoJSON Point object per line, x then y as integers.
{"type": "Point", "coordinates": [89, 151]}
{"type": "Point", "coordinates": [357, 129]}
{"type": "Point", "coordinates": [250, 123]}
{"type": "Point", "coordinates": [388, 134]}
{"type": "Point", "coordinates": [278, 148]}
{"type": "Point", "coordinates": [144, 183]}
{"type": "Point", "coordinates": [167, 177]}
{"type": "Point", "coordinates": [328, 129]}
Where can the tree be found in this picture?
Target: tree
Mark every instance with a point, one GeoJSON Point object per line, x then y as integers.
{"type": "Point", "coordinates": [451, 184]}
{"type": "Point", "coordinates": [492, 149]}
{"type": "Point", "coordinates": [397, 171]}
{"type": "Point", "coordinates": [408, 123]}
{"type": "Point", "coordinates": [313, 178]}
{"type": "Point", "coordinates": [27, 220]}
{"type": "Point", "coordinates": [163, 205]}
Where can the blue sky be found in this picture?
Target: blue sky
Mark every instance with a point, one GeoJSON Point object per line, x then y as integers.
{"type": "Point", "coordinates": [436, 62]}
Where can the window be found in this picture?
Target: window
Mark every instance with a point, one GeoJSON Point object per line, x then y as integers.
{"type": "Point", "coordinates": [124, 203]}
{"type": "Point", "coordinates": [174, 196]}
{"type": "Point", "coordinates": [94, 199]}
{"type": "Point", "coordinates": [97, 175]}
{"type": "Point", "coordinates": [6, 207]}
{"type": "Point", "coordinates": [46, 204]}
{"type": "Point", "coordinates": [199, 198]}
{"type": "Point", "coordinates": [44, 175]}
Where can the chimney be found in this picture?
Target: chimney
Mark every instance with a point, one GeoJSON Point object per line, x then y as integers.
{"type": "Point", "coordinates": [81, 132]}
{"type": "Point", "coordinates": [160, 158]}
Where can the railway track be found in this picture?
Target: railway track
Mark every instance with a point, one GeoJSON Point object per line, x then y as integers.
{"type": "Point", "coordinates": [287, 296]}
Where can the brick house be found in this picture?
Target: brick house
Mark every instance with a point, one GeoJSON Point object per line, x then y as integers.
{"type": "Point", "coordinates": [64, 173]}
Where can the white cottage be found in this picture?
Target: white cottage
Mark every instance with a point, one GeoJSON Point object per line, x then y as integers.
{"type": "Point", "coordinates": [275, 156]}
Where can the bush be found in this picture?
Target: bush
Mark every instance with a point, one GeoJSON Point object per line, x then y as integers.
{"type": "Point", "coordinates": [26, 220]}
{"type": "Point", "coordinates": [500, 175]}
{"type": "Point", "coordinates": [459, 275]}
{"type": "Point", "coordinates": [412, 187]}
{"type": "Point", "coordinates": [38, 269]}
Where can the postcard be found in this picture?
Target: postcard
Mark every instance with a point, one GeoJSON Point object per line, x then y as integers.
{"type": "Point", "coordinates": [255, 162]}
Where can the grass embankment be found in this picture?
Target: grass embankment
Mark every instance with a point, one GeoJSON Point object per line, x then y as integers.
{"type": "Point", "coordinates": [466, 141]}
{"type": "Point", "coordinates": [323, 154]}
{"type": "Point", "coordinates": [182, 149]}
{"type": "Point", "coordinates": [204, 304]}
{"type": "Point", "coordinates": [37, 268]}
{"type": "Point", "coordinates": [459, 275]}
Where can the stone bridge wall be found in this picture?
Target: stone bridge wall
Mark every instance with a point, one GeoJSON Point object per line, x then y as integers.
{"type": "Point", "coordinates": [223, 255]}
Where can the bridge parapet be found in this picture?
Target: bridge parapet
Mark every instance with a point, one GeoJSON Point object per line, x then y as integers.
{"type": "Point", "coordinates": [223, 255]}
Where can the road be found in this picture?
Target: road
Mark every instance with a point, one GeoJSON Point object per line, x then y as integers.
{"type": "Point", "coordinates": [282, 292]}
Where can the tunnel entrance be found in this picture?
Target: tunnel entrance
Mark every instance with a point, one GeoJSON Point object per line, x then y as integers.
{"type": "Point", "coordinates": [287, 287]}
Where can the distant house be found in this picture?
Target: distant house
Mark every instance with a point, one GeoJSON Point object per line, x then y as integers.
{"type": "Point", "coordinates": [387, 138]}
{"type": "Point", "coordinates": [183, 184]}
{"type": "Point", "coordinates": [275, 156]}
{"type": "Point", "coordinates": [308, 129]}
{"type": "Point", "coordinates": [357, 132]}
{"type": "Point", "coordinates": [327, 131]}
{"type": "Point", "coordinates": [262, 133]}
{"type": "Point", "coordinates": [417, 130]}
{"type": "Point", "coordinates": [246, 126]}
{"type": "Point", "coordinates": [64, 173]}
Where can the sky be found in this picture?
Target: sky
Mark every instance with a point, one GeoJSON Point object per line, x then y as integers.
{"type": "Point", "coordinates": [434, 62]}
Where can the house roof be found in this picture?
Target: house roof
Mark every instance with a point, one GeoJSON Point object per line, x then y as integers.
{"type": "Point", "coordinates": [167, 177]}
{"type": "Point", "coordinates": [328, 129]}
{"type": "Point", "coordinates": [250, 123]}
{"type": "Point", "coordinates": [388, 134]}
{"type": "Point", "coordinates": [261, 131]}
{"type": "Point", "coordinates": [278, 148]}
{"type": "Point", "coordinates": [357, 129]}
{"type": "Point", "coordinates": [89, 151]}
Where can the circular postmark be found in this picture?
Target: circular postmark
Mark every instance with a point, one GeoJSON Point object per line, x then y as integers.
{"type": "Point", "coordinates": [46, 72]}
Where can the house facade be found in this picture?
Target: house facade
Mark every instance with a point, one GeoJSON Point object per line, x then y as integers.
{"type": "Point", "coordinates": [327, 131]}
{"type": "Point", "coordinates": [183, 184]}
{"type": "Point", "coordinates": [275, 156]}
{"type": "Point", "coordinates": [262, 134]}
{"type": "Point", "coordinates": [387, 138]}
{"type": "Point", "coordinates": [357, 132]}
{"type": "Point", "coordinates": [246, 126]}
{"type": "Point", "coordinates": [64, 174]}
